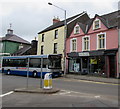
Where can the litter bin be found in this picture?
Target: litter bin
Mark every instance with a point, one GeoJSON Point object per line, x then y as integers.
{"type": "Point", "coordinates": [48, 81]}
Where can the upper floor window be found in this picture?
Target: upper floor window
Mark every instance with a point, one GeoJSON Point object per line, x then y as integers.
{"type": "Point", "coordinates": [43, 37]}
{"type": "Point", "coordinates": [56, 34]}
{"type": "Point", "coordinates": [86, 43]}
{"type": "Point", "coordinates": [73, 45]}
{"type": "Point", "coordinates": [42, 47]}
{"type": "Point", "coordinates": [101, 41]}
{"type": "Point", "coordinates": [96, 24]}
{"type": "Point", "coordinates": [77, 29]}
{"type": "Point", "coordinates": [55, 48]}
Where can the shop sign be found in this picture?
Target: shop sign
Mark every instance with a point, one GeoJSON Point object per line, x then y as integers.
{"type": "Point", "coordinates": [84, 54]}
{"type": "Point", "coordinates": [93, 61]}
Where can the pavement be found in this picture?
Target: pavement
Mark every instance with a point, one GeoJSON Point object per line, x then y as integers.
{"type": "Point", "coordinates": [93, 78]}
{"type": "Point", "coordinates": [37, 90]}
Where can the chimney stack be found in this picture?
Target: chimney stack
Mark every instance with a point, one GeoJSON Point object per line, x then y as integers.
{"type": "Point", "coordinates": [56, 20]}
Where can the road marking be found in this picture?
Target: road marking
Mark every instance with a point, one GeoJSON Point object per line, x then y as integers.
{"type": "Point", "coordinates": [97, 96]}
{"type": "Point", "coordinates": [6, 94]}
{"type": "Point", "coordinates": [76, 94]}
{"type": "Point", "coordinates": [92, 82]}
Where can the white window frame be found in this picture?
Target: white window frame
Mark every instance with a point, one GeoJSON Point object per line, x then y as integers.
{"type": "Point", "coordinates": [98, 48]}
{"type": "Point", "coordinates": [75, 29]}
{"type": "Point", "coordinates": [71, 45]}
{"type": "Point", "coordinates": [94, 24]}
{"type": "Point", "coordinates": [83, 47]}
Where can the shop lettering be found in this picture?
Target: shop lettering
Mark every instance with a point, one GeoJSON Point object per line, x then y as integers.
{"type": "Point", "coordinates": [84, 54]}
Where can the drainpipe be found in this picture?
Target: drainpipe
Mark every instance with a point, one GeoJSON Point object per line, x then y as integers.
{"type": "Point", "coordinates": [118, 53]}
{"type": "Point", "coordinates": [118, 39]}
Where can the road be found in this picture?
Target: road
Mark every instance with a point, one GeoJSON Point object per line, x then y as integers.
{"type": "Point", "coordinates": [74, 93]}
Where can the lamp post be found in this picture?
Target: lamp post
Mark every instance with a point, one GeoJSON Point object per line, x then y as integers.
{"type": "Point", "coordinates": [65, 34]}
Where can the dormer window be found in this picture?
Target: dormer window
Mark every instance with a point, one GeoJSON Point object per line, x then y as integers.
{"type": "Point", "coordinates": [77, 29]}
{"type": "Point", "coordinates": [96, 24]}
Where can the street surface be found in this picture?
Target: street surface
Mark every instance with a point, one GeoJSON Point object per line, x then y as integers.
{"type": "Point", "coordinates": [74, 93]}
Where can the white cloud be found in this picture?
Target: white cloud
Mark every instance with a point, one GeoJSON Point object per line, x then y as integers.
{"type": "Point", "coordinates": [31, 16]}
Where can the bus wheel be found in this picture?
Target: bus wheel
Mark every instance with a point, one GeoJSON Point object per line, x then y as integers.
{"type": "Point", "coordinates": [34, 74]}
{"type": "Point", "coordinates": [8, 72]}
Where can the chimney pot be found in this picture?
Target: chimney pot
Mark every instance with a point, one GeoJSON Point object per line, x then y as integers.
{"type": "Point", "coordinates": [56, 20]}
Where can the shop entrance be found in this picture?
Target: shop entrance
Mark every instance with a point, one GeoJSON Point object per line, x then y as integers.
{"type": "Point", "coordinates": [112, 65]}
{"type": "Point", "coordinates": [84, 65]}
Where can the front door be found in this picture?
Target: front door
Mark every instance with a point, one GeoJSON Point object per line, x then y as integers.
{"type": "Point", "coordinates": [112, 66]}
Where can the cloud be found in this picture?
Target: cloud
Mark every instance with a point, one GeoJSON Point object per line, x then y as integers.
{"type": "Point", "coordinates": [28, 17]}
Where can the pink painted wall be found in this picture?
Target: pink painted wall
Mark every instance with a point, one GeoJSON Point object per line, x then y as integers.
{"type": "Point", "coordinates": [111, 38]}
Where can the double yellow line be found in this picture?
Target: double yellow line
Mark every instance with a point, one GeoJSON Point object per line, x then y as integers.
{"type": "Point", "coordinates": [90, 81]}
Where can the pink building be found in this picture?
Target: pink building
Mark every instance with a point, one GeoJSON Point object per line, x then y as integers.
{"type": "Point", "coordinates": [92, 47]}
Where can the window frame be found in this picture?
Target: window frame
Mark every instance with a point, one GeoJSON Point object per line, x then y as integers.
{"type": "Point", "coordinates": [43, 36]}
{"type": "Point", "coordinates": [94, 24]}
{"type": "Point", "coordinates": [42, 49]}
{"type": "Point", "coordinates": [98, 45]}
{"type": "Point", "coordinates": [75, 28]}
{"type": "Point", "coordinates": [84, 48]}
{"type": "Point", "coordinates": [72, 49]}
{"type": "Point", "coordinates": [56, 34]}
{"type": "Point", "coordinates": [55, 48]}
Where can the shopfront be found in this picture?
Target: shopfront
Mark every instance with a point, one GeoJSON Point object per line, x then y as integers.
{"type": "Point", "coordinates": [100, 63]}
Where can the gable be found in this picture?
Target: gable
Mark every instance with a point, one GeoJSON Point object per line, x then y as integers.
{"type": "Point", "coordinates": [97, 25]}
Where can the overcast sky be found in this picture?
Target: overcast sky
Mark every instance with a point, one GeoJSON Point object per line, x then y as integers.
{"type": "Point", "coordinates": [28, 17]}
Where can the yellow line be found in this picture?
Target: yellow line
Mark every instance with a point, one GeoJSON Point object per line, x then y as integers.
{"type": "Point", "coordinates": [93, 82]}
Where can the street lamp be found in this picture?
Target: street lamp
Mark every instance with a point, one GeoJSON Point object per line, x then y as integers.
{"type": "Point", "coordinates": [65, 34]}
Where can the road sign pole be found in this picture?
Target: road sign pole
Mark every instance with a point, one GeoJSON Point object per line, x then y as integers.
{"type": "Point", "coordinates": [41, 73]}
{"type": "Point", "coordinates": [28, 71]}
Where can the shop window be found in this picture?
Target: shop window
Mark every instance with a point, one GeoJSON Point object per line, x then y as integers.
{"type": "Point", "coordinates": [97, 65]}
{"type": "Point", "coordinates": [101, 41]}
{"type": "Point", "coordinates": [74, 45]}
{"type": "Point", "coordinates": [74, 65]}
{"type": "Point", "coordinates": [86, 43]}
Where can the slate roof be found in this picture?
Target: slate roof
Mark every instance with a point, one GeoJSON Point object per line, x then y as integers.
{"type": "Point", "coordinates": [22, 50]}
{"type": "Point", "coordinates": [82, 17]}
{"type": "Point", "coordinates": [14, 38]}
{"type": "Point", "coordinates": [109, 20]}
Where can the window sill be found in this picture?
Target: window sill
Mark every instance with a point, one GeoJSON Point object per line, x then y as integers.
{"type": "Point", "coordinates": [96, 29]}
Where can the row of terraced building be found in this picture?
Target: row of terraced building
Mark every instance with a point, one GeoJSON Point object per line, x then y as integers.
{"type": "Point", "coordinates": [91, 44]}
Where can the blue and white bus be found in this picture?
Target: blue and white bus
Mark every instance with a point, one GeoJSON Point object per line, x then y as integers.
{"type": "Point", "coordinates": [18, 65]}
{"type": "Point", "coordinates": [1, 55]}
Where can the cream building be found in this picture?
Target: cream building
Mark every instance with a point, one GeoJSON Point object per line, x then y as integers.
{"type": "Point", "coordinates": [51, 39]}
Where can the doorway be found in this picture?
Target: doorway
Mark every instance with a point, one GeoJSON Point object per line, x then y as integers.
{"type": "Point", "coordinates": [112, 66]}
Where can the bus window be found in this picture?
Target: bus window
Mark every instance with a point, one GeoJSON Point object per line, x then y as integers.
{"type": "Point", "coordinates": [45, 62]}
{"type": "Point", "coordinates": [6, 62]}
{"type": "Point", "coordinates": [19, 62]}
{"type": "Point", "coordinates": [55, 63]}
{"type": "Point", "coordinates": [35, 62]}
